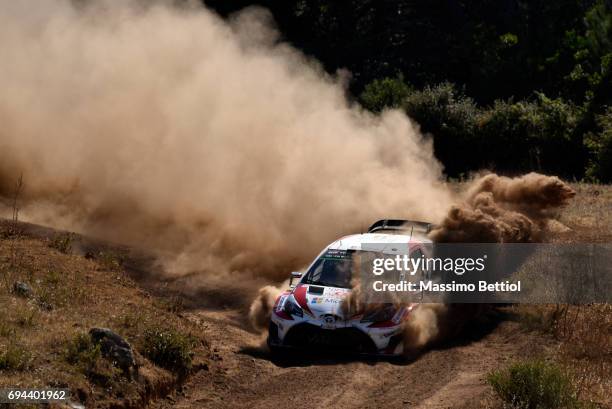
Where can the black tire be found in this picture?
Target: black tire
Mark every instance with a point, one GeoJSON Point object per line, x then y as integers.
{"type": "Point", "coordinates": [272, 338]}
{"type": "Point", "coordinates": [277, 351]}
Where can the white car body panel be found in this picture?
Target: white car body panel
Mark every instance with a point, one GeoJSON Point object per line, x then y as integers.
{"type": "Point", "coordinates": [322, 306]}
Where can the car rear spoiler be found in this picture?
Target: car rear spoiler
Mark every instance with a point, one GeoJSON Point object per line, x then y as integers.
{"type": "Point", "coordinates": [401, 225]}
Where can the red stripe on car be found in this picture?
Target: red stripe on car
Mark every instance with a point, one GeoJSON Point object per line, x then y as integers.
{"type": "Point", "coordinates": [300, 296]}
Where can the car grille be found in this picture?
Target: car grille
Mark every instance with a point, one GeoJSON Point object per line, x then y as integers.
{"type": "Point", "coordinates": [340, 339]}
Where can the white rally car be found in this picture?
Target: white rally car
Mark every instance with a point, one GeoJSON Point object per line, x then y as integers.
{"type": "Point", "coordinates": [309, 315]}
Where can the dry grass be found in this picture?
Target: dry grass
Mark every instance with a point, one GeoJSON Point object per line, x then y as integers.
{"type": "Point", "coordinates": [589, 214]}
{"type": "Point", "coordinates": [585, 335]}
{"type": "Point", "coordinates": [70, 295]}
{"type": "Point", "coordinates": [583, 332]}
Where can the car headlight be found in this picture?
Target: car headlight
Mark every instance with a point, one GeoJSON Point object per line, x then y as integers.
{"type": "Point", "coordinates": [292, 308]}
{"type": "Point", "coordinates": [379, 314]}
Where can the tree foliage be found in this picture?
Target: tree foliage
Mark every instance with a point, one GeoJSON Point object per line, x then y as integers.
{"type": "Point", "coordinates": [599, 144]}
{"type": "Point", "coordinates": [532, 77]}
{"type": "Point", "coordinates": [384, 93]}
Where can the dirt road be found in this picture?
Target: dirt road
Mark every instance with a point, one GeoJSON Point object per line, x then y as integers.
{"type": "Point", "coordinates": [242, 373]}
{"type": "Point", "coordinates": [245, 375]}
{"type": "Point", "coordinates": [452, 376]}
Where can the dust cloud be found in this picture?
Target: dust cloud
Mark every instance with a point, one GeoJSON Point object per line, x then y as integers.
{"type": "Point", "coordinates": [498, 209]}
{"type": "Point", "coordinates": [423, 327]}
{"type": "Point", "coordinates": [494, 209]}
{"type": "Point", "coordinates": [261, 307]}
{"type": "Point", "coordinates": [214, 144]}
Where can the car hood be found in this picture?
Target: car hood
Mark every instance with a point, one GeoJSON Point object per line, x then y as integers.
{"type": "Point", "coordinates": [319, 301]}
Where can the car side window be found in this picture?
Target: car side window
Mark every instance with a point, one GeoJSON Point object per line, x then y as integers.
{"type": "Point", "coordinates": [316, 272]}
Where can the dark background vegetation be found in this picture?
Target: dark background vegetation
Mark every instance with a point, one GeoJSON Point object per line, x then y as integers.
{"type": "Point", "coordinates": [509, 85]}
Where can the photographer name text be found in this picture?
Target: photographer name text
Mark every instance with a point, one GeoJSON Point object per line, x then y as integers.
{"type": "Point", "coordinates": [482, 286]}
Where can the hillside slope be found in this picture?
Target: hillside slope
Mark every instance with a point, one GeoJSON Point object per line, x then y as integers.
{"type": "Point", "coordinates": [54, 288]}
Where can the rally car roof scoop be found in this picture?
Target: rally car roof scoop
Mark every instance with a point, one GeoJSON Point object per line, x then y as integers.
{"type": "Point", "coordinates": [401, 225]}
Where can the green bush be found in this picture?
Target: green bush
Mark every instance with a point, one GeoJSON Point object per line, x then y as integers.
{"type": "Point", "coordinates": [384, 93]}
{"type": "Point", "coordinates": [109, 260]}
{"type": "Point", "coordinates": [442, 107]}
{"type": "Point", "coordinates": [82, 352]}
{"type": "Point", "coordinates": [53, 278]}
{"type": "Point", "coordinates": [171, 304]}
{"type": "Point", "coordinates": [62, 242]}
{"type": "Point", "coordinates": [169, 349]}
{"type": "Point", "coordinates": [533, 135]}
{"type": "Point", "coordinates": [600, 148]}
{"type": "Point", "coordinates": [14, 357]}
{"type": "Point", "coordinates": [558, 139]}
{"type": "Point", "coordinates": [26, 317]}
{"type": "Point", "coordinates": [534, 384]}
{"type": "Point", "coordinates": [542, 134]}
{"type": "Point", "coordinates": [510, 126]}
{"type": "Point", "coordinates": [451, 117]}
{"type": "Point", "coordinates": [6, 330]}
{"type": "Point", "coordinates": [86, 356]}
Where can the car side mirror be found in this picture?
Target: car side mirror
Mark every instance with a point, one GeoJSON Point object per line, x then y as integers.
{"type": "Point", "coordinates": [295, 274]}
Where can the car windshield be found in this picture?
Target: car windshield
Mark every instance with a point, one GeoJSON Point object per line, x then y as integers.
{"type": "Point", "coordinates": [332, 269]}
{"type": "Point", "coordinates": [336, 268]}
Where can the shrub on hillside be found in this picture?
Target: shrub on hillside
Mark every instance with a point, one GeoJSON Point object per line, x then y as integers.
{"type": "Point", "coordinates": [169, 349]}
{"type": "Point", "coordinates": [86, 355]}
{"type": "Point", "coordinates": [14, 357]}
{"type": "Point", "coordinates": [82, 352]}
{"type": "Point", "coordinates": [62, 242]}
{"type": "Point", "coordinates": [534, 384]}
